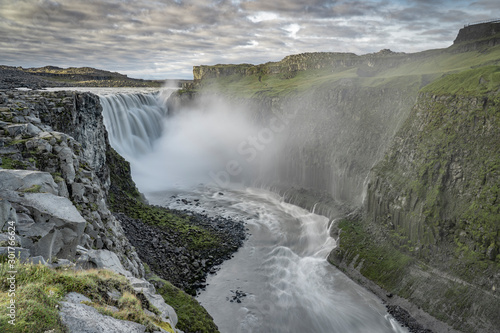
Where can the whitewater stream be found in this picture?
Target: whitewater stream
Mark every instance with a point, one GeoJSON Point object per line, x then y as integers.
{"type": "Point", "coordinates": [280, 280]}
{"type": "Point", "coordinates": [281, 269]}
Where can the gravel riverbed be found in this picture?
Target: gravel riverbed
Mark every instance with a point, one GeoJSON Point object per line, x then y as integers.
{"type": "Point", "coordinates": [185, 267]}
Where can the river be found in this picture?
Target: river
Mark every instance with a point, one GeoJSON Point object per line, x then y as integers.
{"type": "Point", "coordinates": [281, 269]}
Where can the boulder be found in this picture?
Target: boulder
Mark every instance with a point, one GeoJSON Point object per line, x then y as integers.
{"type": "Point", "coordinates": [23, 180]}
{"type": "Point", "coordinates": [66, 158]}
{"type": "Point", "coordinates": [81, 318]}
{"type": "Point", "coordinates": [56, 226]}
{"type": "Point", "coordinates": [18, 129]}
{"type": "Point", "coordinates": [38, 260]}
{"type": "Point", "coordinates": [102, 259]}
{"type": "Point", "coordinates": [62, 263]}
{"type": "Point", "coordinates": [20, 253]}
{"type": "Point", "coordinates": [167, 313]}
{"type": "Point", "coordinates": [32, 130]}
{"type": "Point", "coordinates": [109, 260]}
{"type": "Point", "coordinates": [7, 212]}
{"type": "Point", "coordinates": [8, 240]}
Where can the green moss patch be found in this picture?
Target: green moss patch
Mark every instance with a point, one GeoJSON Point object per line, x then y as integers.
{"type": "Point", "coordinates": [192, 316]}
{"type": "Point", "coordinates": [10, 163]}
{"type": "Point", "coordinates": [32, 189]}
{"type": "Point", "coordinates": [378, 262]}
{"type": "Point", "coordinates": [474, 82]}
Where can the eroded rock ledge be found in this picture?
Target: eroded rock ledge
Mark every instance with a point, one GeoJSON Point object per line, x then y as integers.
{"type": "Point", "coordinates": [55, 179]}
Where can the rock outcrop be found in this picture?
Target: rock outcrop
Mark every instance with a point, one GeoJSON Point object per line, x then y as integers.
{"type": "Point", "coordinates": [54, 179]}
{"type": "Point", "coordinates": [74, 174]}
{"type": "Point", "coordinates": [83, 318]}
{"type": "Point", "coordinates": [291, 65]}
{"type": "Point", "coordinates": [478, 32]}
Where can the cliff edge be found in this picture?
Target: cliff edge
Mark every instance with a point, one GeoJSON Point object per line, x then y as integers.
{"type": "Point", "coordinates": [57, 234]}
{"type": "Point", "coordinates": [478, 31]}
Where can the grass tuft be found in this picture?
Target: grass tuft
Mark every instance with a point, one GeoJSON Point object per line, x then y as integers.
{"type": "Point", "coordinates": [191, 315]}
{"type": "Point", "coordinates": [39, 291]}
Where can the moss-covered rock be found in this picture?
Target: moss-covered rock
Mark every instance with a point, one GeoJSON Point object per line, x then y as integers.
{"type": "Point", "coordinates": [376, 261]}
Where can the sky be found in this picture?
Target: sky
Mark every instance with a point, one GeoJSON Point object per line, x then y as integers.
{"type": "Point", "coordinates": [164, 39]}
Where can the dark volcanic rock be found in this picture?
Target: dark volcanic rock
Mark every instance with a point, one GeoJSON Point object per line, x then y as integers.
{"type": "Point", "coordinates": [404, 318]}
{"type": "Point", "coordinates": [174, 261]}
{"type": "Point", "coordinates": [474, 32]}
{"type": "Point", "coordinates": [237, 297]}
{"type": "Point", "coordinates": [12, 77]}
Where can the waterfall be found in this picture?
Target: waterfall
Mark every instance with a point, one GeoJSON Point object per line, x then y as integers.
{"type": "Point", "coordinates": [134, 122]}
{"type": "Point", "coordinates": [197, 145]}
{"type": "Point", "coordinates": [289, 286]}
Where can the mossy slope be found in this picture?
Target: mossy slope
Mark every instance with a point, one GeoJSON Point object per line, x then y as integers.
{"type": "Point", "coordinates": [434, 198]}
{"type": "Point", "coordinates": [125, 198]}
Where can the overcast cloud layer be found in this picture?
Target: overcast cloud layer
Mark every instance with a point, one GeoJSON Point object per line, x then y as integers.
{"type": "Point", "coordinates": [165, 38]}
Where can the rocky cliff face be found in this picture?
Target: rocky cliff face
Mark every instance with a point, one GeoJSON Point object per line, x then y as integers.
{"type": "Point", "coordinates": [57, 175]}
{"type": "Point", "coordinates": [290, 65]}
{"type": "Point", "coordinates": [479, 37]}
{"type": "Point", "coordinates": [54, 179]}
{"type": "Point", "coordinates": [437, 186]}
{"type": "Point", "coordinates": [60, 141]}
{"type": "Point", "coordinates": [367, 65]}
{"type": "Point", "coordinates": [476, 32]}
{"type": "Point", "coordinates": [432, 206]}
{"type": "Point", "coordinates": [200, 72]}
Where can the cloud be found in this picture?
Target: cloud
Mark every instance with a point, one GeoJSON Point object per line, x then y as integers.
{"type": "Point", "coordinates": [146, 38]}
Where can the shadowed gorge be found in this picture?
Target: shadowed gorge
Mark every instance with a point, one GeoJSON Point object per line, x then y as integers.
{"type": "Point", "coordinates": [398, 149]}
{"type": "Point", "coordinates": [408, 141]}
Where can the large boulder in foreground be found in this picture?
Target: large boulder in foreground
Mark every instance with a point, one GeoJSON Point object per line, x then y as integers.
{"type": "Point", "coordinates": [48, 225]}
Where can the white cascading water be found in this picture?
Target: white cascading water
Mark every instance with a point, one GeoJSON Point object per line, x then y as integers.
{"type": "Point", "coordinates": [281, 269]}
{"type": "Point", "coordinates": [135, 130]}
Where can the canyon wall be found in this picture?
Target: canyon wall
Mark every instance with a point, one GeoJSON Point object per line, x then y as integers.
{"type": "Point", "coordinates": [431, 214]}
{"type": "Point", "coordinates": [410, 144]}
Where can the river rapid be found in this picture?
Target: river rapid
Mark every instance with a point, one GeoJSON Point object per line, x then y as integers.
{"type": "Point", "coordinates": [279, 281]}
